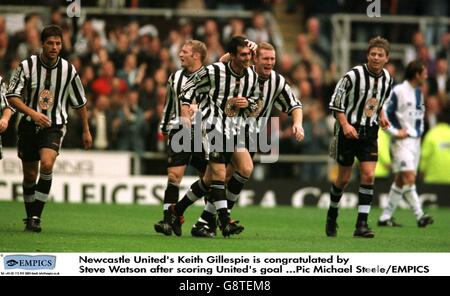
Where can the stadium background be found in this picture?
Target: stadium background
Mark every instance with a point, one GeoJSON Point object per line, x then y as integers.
{"type": "Point", "coordinates": [125, 50]}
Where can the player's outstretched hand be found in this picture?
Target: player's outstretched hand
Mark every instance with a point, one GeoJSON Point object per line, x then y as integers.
{"type": "Point", "coordinates": [252, 45]}
{"type": "Point", "coordinates": [298, 132]}
{"type": "Point", "coordinates": [87, 140]}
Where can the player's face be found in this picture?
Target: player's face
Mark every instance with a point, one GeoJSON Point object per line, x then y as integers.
{"type": "Point", "coordinates": [186, 56]}
{"type": "Point", "coordinates": [242, 57]}
{"type": "Point", "coordinates": [264, 62]}
{"type": "Point", "coordinates": [376, 59]}
{"type": "Point", "coordinates": [51, 48]}
{"type": "Point", "coordinates": [422, 77]}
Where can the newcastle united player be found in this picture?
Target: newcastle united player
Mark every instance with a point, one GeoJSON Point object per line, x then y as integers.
{"type": "Point", "coordinates": [357, 106]}
{"type": "Point", "coordinates": [42, 88]}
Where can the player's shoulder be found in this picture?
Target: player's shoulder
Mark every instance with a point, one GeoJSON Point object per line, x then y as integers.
{"type": "Point", "coordinates": [387, 74]}
{"type": "Point", "coordinates": [351, 74]}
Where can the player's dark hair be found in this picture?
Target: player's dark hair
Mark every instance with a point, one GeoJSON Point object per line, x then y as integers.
{"type": "Point", "coordinates": [413, 68]}
{"type": "Point", "coordinates": [234, 43]}
{"type": "Point", "coordinates": [50, 31]}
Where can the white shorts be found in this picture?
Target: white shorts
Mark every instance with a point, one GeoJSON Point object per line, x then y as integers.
{"type": "Point", "coordinates": [405, 154]}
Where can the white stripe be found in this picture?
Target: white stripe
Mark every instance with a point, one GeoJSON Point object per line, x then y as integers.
{"type": "Point", "coordinates": [334, 204]}
{"type": "Point", "coordinates": [365, 191]}
{"type": "Point", "coordinates": [46, 176]}
{"type": "Point", "coordinates": [191, 195]}
{"type": "Point", "coordinates": [210, 208]}
{"type": "Point", "coordinates": [364, 209]}
{"type": "Point", "coordinates": [231, 196]}
{"type": "Point", "coordinates": [28, 198]}
{"type": "Point", "coordinates": [41, 196]}
{"type": "Point", "coordinates": [220, 204]}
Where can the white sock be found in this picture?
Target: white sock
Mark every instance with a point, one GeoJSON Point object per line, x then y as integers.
{"type": "Point", "coordinates": [412, 197]}
{"type": "Point", "coordinates": [395, 196]}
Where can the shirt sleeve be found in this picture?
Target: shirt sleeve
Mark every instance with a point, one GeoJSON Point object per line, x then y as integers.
{"type": "Point", "coordinates": [286, 100]}
{"type": "Point", "coordinates": [197, 84]}
{"type": "Point", "coordinates": [168, 106]}
{"type": "Point", "coordinates": [17, 83]}
{"type": "Point", "coordinates": [77, 98]}
{"type": "Point", "coordinates": [341, 91]}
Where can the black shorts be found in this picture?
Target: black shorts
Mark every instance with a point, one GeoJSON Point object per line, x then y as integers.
{"type": "Point", "coordinates": [196, 159]}
{"type": "Point", "coordinates": [31, 139]}
{"type": "Point", "coordinates": [365, 148]}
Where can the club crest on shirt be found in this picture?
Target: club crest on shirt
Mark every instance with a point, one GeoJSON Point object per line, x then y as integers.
{"type": "Point", "coordinates": [46, 99]}
{"type": "Point", "coordinates": [370, 107]}
{"type": "Point", "coordinates": [230, 107]}
{"type": "Point", "coordinates": [256, 108]}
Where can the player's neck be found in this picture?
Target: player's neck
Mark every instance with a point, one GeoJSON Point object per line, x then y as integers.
{"type": "Point", "coordinates": [48, 62]}
{"type": "Point", "coordinates": [194, 68]}
{"type": "Point", "coordinates": [236, 69]}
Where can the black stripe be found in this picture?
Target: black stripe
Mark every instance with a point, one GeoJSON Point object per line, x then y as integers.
{"type": "Point", "coordinates": [58, 100]}
{"type": "Point", "coordinates": [255, 79]}
{"type": "Point", "coordinates": [216, 89]}
{"type": "Point", "coordinates": [355, 94]}
{"type": "Point", "coordinates": [226, 93]}
{"type": "Point", "coordinates": [388, 90]}
{"type": "Point", "coordinates": [366, 96]}
{"type": "Point", "coordinates": [68, 79]}
{"type": "Point", "coordinates": [267, 95]}
{"type": "Point", "coordinates": [246, 83]}
{"type": "Point", "coordinates": [170, 98]}
{"type": "Point", "coordinates": [76, 91]}
{"type": "Point", "coordinates": [176, 99]}
{"type": "Point", "coordinates": [38, 84]}
{"type": "Point", "coordinates": [28, 82]}
{"type": "Point", "coordinates": [383, 90]}
{"type": "Point", "coordinates": [283, 103]}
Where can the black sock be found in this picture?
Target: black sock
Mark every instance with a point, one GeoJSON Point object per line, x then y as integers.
{"type": "Point", "coordinates": [218, 194]}
{"type": "Point", "coordinates": [44, 183]}
{"type": "Point", "coordinates": [38, 207]}
{"type": "Point", "coordinates": [197, 191]}
{"type": "Point", "coordinates": [42, 190]}
{"type": "Point", "coordinates": [365, 196]}
{"type": "Point", "coordinates": [335, 197]}
{"type": "Point", "coordinates": [171, 193]}
{"type": "Point", "coordinates": [28, 197]}
{"type": "Point", "coordinates": [234, 188]}
{"type": "Point", "coordinates": [208, 217]}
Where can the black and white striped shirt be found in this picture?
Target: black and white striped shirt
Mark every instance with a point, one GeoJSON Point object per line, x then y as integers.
{"type": "Point", "coordinates": [275, 91]}
{"type": "Point", "coordinates": [62, 78]}
{"type": "Point", "coordinates": [3, 101]}
{"type": "Point", "coordinates": [361, 94]}
{"type": "Point", "coordinates": [221, 83]}
{"type": "Point", "coordinates": [172, 107]}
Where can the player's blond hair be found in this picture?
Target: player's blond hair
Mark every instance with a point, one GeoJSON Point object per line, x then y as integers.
{"type": "Point", "coordinates": [198, 47]}
{"type": "Point", "coordinates": [379, 42]}
{"type": "Point", "coordinates": [264, 45]}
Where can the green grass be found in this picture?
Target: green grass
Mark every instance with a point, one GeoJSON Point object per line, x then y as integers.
{"type": "Point", "coordinates": [129, 228]}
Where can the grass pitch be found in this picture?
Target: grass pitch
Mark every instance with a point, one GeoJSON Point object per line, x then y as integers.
{"type": "Point", "coordinates": [129, 228]}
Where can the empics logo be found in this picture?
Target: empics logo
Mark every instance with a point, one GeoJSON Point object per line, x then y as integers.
{"type": "Point", "coordinates": [29, 262]}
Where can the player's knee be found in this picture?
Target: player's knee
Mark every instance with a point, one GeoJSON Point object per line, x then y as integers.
{"type": "Point", "coordinates": [246, 171]}
{"type": "Point", "coordinates": [174, 178]}
{"type": "Point", "coordinates": [367, 177]}
{"type": "Point", "coordinates": [30, 176]}
{"type": "Point", "coordinates": [342, 182]}
{"type": "Point", "coordinates": [47, 166]}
